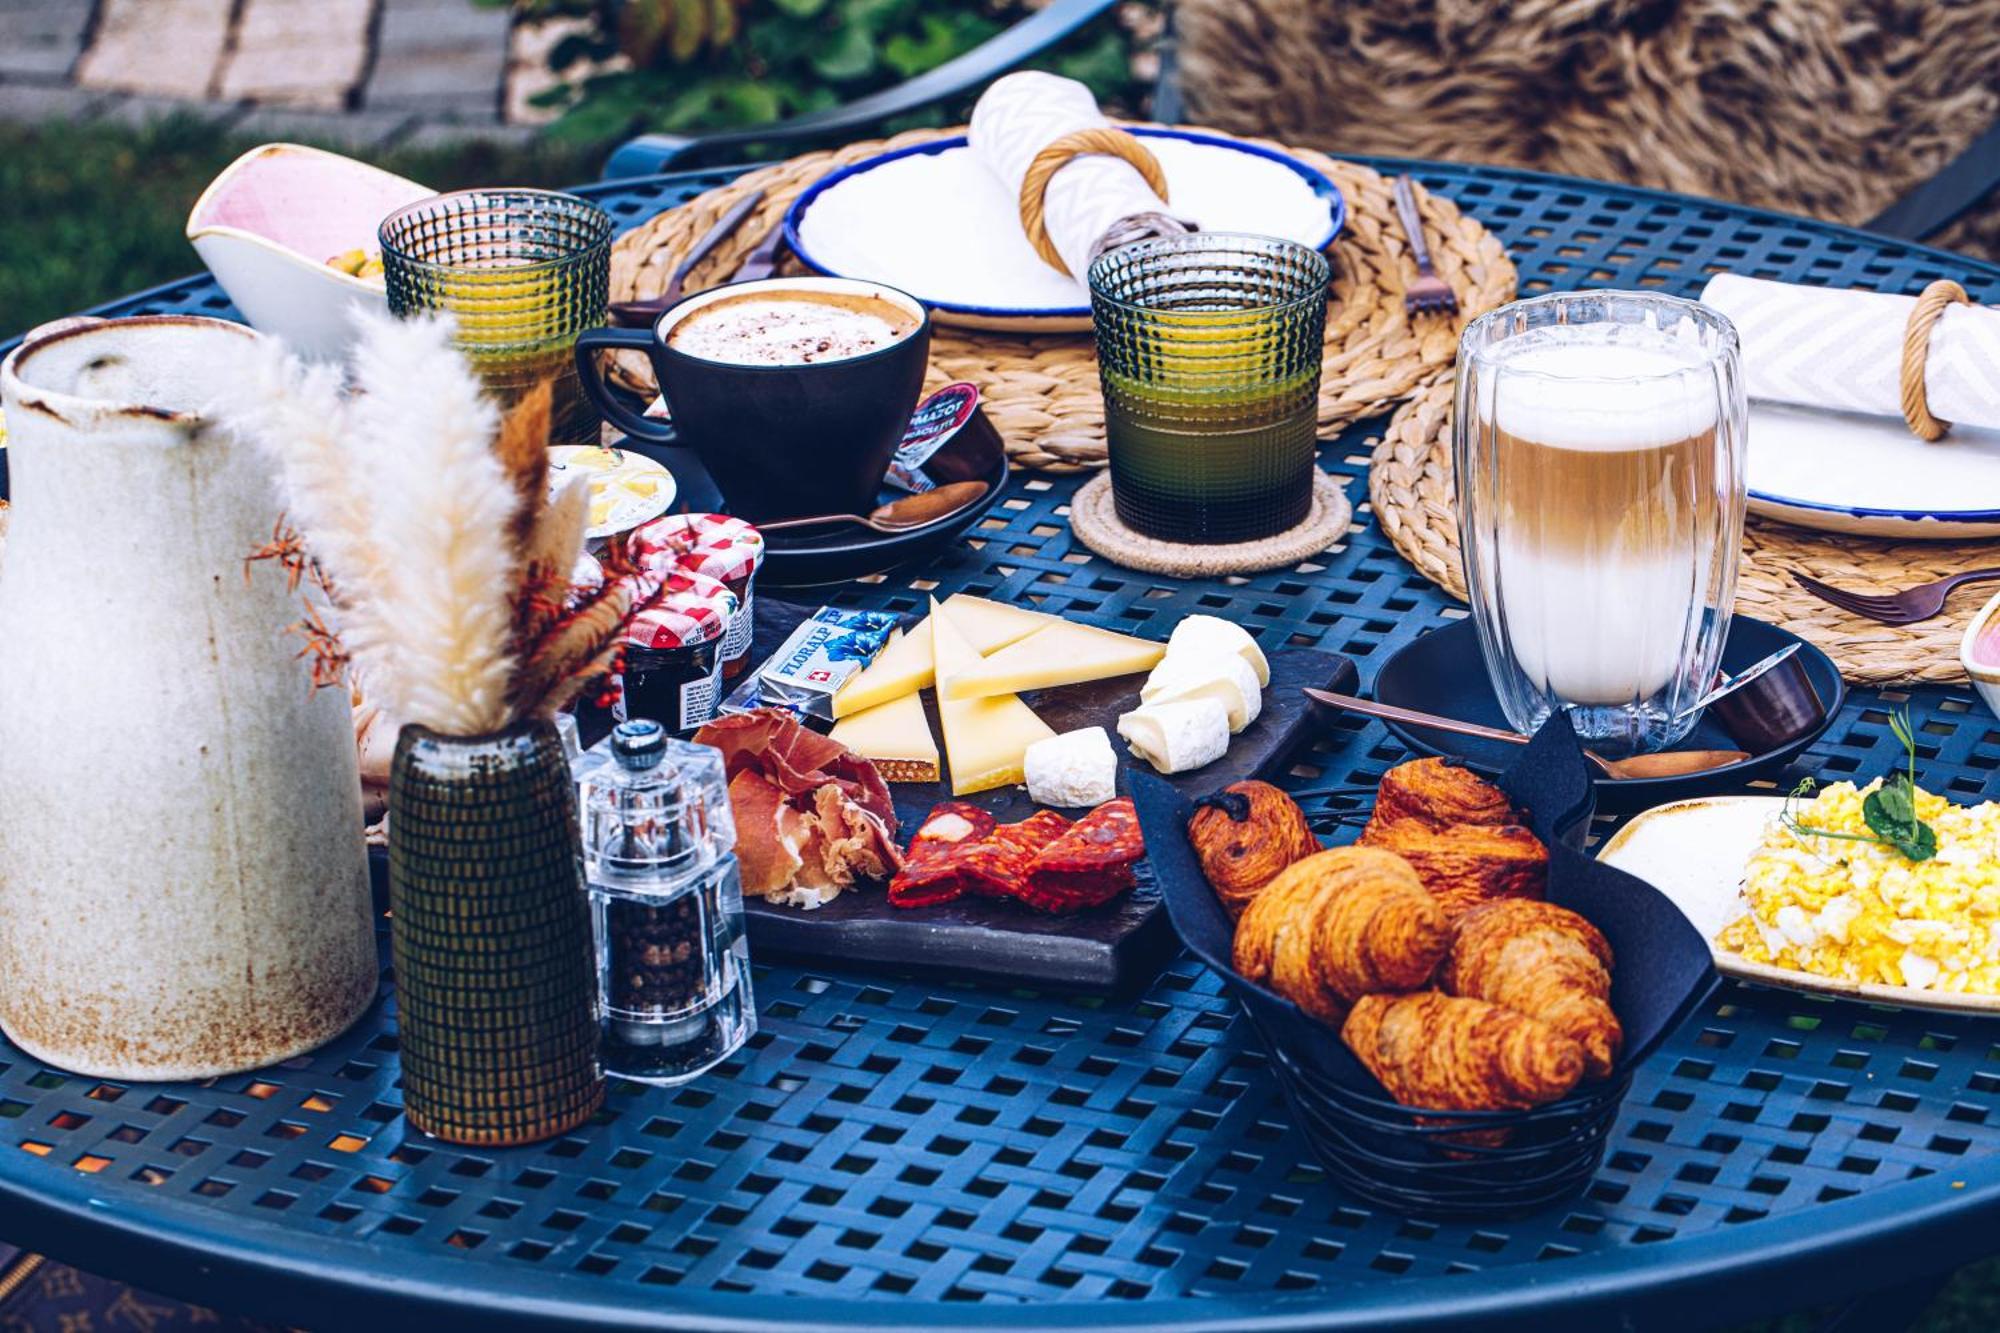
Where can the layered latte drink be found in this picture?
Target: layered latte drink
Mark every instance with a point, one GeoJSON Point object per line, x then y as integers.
{"type": "Point", "coordinates": [1599, 446]}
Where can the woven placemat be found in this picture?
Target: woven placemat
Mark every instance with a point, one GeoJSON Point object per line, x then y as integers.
{"type": "Point", "coordinates": [1041, 391]}
{"type": "Point", "coordinates": [1093, 517]}
{"type": "Point", "coordinates": [1410, 490]}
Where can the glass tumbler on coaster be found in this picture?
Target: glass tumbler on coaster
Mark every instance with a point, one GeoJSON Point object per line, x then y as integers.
{"type": "Point", "coordinates": [666, 904]}
{"type": "Point", "coordinates": [1208, 350]}
{"type": "Point", "coordinates": [1599, 447]}
{"type": "Point", "coordinates": [523, 272]}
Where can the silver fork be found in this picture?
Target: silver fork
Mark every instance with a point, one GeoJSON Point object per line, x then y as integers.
{"type": "Point", "coordinates": [1429, 294]}
{"type": "Point", "coordinates": [1901, 608]}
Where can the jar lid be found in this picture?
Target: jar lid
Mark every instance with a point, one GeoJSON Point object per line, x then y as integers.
{"type": "Point", "coordinates": [691, 610]}
{"type": "Point", "coordinates": [721, 546]}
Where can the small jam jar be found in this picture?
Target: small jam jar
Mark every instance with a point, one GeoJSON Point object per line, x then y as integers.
{"type": "Point", "coordinates": [720, 546]}
{"type": "Point", "coordinates": [673, 652]}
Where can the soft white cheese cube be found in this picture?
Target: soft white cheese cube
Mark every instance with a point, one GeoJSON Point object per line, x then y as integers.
{"type": "Point", "coordinates": [1177, 737]}
{"type": "Point", "coordinates": [1203, 673]}
{"type": "Point", "coordinates": [1077, 768]}
{"type": "Point", "coordinates": [1214, 634]}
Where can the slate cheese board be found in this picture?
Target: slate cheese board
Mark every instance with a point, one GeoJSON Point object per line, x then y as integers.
{"type": "Point", "coordinates": [1120, 944]}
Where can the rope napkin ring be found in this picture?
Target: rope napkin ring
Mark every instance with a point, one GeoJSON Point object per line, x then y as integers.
{"type": "Point", "coordinates": [1930, 307]}
{"type": "Point", "coordinates": [1059, 154]}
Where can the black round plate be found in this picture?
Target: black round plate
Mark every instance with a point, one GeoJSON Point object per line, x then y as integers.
{"type": "Point", "coordinates": [1443, 673]}
{"type": "Point", "coordinates": [839, 554]}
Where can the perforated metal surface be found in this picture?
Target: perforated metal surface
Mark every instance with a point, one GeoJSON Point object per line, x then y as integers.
{"type": "Point", "coordinates": [894, 1151]}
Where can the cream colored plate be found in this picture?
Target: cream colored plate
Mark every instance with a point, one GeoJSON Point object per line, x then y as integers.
{"type": "Point", "coordinates": [1695, 851]}
{"type": "Point", "coordinates": [626, 489]}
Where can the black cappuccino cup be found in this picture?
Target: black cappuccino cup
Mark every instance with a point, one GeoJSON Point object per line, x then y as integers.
{"type": "Point", "coordinates": [794, 392]}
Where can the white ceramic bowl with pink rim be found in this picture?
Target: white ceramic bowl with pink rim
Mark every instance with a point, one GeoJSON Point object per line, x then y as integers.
{"type": "Point", "coordinates": [267, 226]}
{"type": "Point", "coordinates": [1979, 653]}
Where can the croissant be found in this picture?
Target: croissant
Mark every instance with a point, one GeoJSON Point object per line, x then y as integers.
{"type": "Point", "coordinates": [1243, 836]}
{"type": "Point", "coordinates": [1440, 795]}
{"type": "Point", "coordinates": [1468, 864]}
{"type": "Point", "coordinates": [1339, 925]}
{"type": "Point", "coordinates": [1546, 962]}
{"type": "Point", "coordinates": [1451, 1053]}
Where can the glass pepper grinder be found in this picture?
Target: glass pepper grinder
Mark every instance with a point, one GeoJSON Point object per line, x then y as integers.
{"type": "Point", "coordinates": [666, 904]}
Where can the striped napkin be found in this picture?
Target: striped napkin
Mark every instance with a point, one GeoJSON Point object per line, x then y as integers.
{"type": "Point", "coordinates": [1842, 351]}
{"type": "Point", "coordinates": [1095, 203]}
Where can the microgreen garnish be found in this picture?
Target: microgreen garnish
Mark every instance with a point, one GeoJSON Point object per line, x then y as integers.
{"type": "Point", "coordinates": [1890, 811]}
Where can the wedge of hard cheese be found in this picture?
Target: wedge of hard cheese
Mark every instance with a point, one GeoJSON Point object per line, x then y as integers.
{"type": "Point", "coordinates": [904, 667]}
{"type": "Point", "coordinates": [896, 736]}
{"type": "Point", "coordinates": [986, 738]}
{"type": "Point", "coordinates": [1058, 654]}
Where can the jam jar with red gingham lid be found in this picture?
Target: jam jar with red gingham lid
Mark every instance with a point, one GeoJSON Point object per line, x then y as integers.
{"type": "Point", "coordinates": [673, 652]}
{"type": "Point", "coordinates": [718, 545]}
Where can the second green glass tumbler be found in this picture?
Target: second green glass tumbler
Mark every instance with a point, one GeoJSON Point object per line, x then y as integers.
{"type": "Point", "coordinates": [1208, 349]}
{"type": "Point", "coordinates": [523, 272]}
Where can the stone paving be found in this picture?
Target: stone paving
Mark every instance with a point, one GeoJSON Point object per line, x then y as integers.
{"type": "Point", "coordinates": [356, 72]}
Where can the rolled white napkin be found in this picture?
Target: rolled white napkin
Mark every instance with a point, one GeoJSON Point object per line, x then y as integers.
{"type": "Point", "coordinates": [1093, 204]}
{"type": "Point", "coordinates": [1843, 350]}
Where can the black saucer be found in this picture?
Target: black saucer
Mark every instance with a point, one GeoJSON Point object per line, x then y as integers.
{"type": "Point", "coordinates": [1443, 673]}
{"type": "Point", "coordinates": [839, 554]}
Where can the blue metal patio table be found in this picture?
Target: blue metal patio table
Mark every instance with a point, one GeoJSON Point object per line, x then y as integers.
{"type": "Point", "coordinates": [902, 1152]}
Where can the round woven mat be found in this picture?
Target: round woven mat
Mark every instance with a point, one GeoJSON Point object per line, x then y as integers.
{"type": "Point", "coordinates": [1093, 517]}
{"type": "Point", "coordinates": [1041, 391]}
{"type": "Point", "coordinates": [1410, 490]}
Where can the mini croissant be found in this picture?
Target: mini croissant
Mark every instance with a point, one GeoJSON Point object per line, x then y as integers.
{"type": "Point", "coordinates": [1467, 864]}
{"type": "Point", "coordinates": [1449, 1053]}
{"type": "Point", "coordinates": [1339, 925]}
{"type": "Point", "coordinates": [1439, 795]}
{"type": "Point", "coordinates": [1243, 836]}
{"type": "Point", "coordinates": [1546, 962]}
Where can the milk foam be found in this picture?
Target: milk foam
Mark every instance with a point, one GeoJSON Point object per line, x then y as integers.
{"type": "Point", "coordinates": [782, 330]}
{"type": "Point", "coordinates": [1601, 396]}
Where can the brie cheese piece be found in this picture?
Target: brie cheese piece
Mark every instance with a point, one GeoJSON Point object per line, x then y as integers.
{"type": "Point", "coordinates": [1203, 673]}
{"type": "Point", "coordinates": [1074, 769]}
{"type": "Point", "coordinates": [1216, 634]}
{"type": "Point", "coordinates": [1177, 737]}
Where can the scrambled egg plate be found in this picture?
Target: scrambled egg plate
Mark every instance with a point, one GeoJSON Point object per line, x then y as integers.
{"type": "Point", "coordinates": [1862, 912]}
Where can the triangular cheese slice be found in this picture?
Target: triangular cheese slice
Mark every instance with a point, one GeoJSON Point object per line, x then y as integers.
{"type": "Point", "coordinates": [1060, 654]}
{"type": "Point", "coordinates": [895, 736]}
{"type": "Point", "coordinates": [904, 666]}
{"type": "Point", "coordinates": [984, 739]}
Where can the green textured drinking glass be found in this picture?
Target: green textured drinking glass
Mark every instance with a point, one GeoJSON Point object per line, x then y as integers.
{"type": "Point", "coordinates": [523, 272]}
{"type": "Point", "coordinates": [1208, 348]}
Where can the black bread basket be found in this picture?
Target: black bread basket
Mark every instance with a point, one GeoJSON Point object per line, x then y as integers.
{"type": "Point", "coordinates": [1444, 1164]}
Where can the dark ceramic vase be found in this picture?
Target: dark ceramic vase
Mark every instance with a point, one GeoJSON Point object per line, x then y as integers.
{"type": "Point", "coordinates": [495, 981]}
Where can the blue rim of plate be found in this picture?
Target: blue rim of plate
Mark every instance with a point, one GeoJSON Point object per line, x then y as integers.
{"type": "Point", "coordinates": [1900, 515]}
{"type": "Point", "coordinates": [1321, 185]}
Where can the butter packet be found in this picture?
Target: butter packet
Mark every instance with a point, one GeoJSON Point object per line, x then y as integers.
{"type": "Point", "coordinates": [828, 649]}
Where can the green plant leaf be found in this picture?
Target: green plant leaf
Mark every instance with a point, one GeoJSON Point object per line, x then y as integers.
{"type": "Point", "coordinates": [848, 53]}
{"type": "Point", "coordinates": [799, 9]}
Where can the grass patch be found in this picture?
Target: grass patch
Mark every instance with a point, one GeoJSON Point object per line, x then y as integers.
{"type": "Point", "coordinates": [99, 209]}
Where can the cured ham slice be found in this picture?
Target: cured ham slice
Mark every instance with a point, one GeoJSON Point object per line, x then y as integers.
{"type": "Point", "coordinates": [812, 817]}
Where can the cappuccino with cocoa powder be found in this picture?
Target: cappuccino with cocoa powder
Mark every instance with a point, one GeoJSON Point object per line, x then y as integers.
{"type": "Point", "coordinates": [791, 327]}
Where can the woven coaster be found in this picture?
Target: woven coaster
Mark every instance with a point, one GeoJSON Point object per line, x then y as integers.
{"type": "Point", "coordinates": [1093, 517]}
{"type": "Point", "coordinates": [1410, 490]}
{"type": "Point", "coordinates": [1041, 391]}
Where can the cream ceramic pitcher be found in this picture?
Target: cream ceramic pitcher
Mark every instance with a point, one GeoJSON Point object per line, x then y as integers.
{"type": "Point", "coordinates": [183, 882]}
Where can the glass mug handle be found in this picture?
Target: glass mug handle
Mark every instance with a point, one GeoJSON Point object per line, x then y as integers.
{"type": "Point", "coordinates": [589, 343]}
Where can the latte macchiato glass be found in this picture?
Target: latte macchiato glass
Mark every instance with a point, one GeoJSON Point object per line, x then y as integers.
{"type": "Point", "coordinates": [1599, 446]}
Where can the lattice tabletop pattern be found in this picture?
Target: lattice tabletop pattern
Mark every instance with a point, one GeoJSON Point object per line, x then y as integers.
{"type": "Point", "coordinates": [904, 1151]}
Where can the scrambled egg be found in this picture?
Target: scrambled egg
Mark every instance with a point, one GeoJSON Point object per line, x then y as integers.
{"type": "Point", "coordinates": [1862, 912]}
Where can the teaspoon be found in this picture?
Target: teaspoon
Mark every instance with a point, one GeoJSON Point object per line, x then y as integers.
{"type": "Point", "coordinates": [1666, 764]}
{"type": "Point", "coordinates": [904, 515]}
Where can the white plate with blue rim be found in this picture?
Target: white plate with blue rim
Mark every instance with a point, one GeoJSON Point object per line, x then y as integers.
{"type": "Point", "coordinates": [930, 220]}
{"type": "Point", "coordinates": [1868, 476]}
